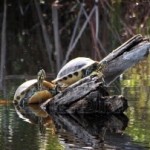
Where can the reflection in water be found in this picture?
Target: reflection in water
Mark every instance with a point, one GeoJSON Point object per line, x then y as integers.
{"type": "Point", "coordinates": [39, 119]}
{"type": "Point", "coordinates": [89, 130]}
{"type": "Point", "coordinates": [35, 115]}
{"type": "Point", "coordinates": [41, 133]}
{"type": "Point", "coordinates": [76, 131]}
{"type": "Point", "coordinates": [135, 84]}
{"type": "Point", "coordinates": [139, 112]}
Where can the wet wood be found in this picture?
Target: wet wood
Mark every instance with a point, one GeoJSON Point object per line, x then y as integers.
{"type": "Point", "coordinates": [88, 95]}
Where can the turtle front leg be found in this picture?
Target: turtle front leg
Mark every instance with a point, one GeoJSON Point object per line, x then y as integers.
{"type": "Point", "coordinates": [43, 95]}
{"type": "Point", "coordinates": [99, 75]}
{"type": "Point", "coordinates": [45, 91]}
{"type": "Point", "coordinates": [40, 97]}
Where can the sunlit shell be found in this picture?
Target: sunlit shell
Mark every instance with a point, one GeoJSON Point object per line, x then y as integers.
{"type": "Point", "coordinates": [74, 65]}
{"type": "Point", "coordinates": [24, 87]}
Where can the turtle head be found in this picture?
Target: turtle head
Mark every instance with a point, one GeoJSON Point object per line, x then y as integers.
{"type": "Point", "coordinates": [41, 75]}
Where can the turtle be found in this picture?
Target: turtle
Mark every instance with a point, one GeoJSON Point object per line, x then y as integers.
{"type": "Point", "coordinates": [39, 90]}
{"type": "Point", "coordinates": [77, 69]}
{"type": "Point", "coordinates": [33, 91]}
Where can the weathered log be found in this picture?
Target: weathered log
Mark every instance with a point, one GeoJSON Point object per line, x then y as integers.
{"type": "Point", "coordinates": [86, 96]}
{"type": "Point", "coordinates": [125, 56]}
{"type": "Point", "coordinates": [89, 95]}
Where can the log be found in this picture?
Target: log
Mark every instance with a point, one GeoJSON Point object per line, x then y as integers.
{"type": "Point", "coordinates": [86, 96]}
{"type": "Point", "coordinates": [125, 56]}
{"type": "Point", "coordinates": [89, 95]}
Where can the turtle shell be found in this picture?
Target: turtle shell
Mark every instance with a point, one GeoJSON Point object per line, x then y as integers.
{"type": "Point", "coordinates": [74, 65]}
{"type": "Point", "coordinates": [28, 87]}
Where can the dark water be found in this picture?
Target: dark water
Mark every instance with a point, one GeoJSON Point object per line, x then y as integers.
{"type": "Point", "coordinates": [31, 128]}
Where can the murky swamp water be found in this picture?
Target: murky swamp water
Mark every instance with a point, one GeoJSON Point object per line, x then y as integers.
{"type": "Point", "coordinates": [33, 129]}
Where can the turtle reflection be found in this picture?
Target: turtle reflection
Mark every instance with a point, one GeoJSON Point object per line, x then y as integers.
{"type": "Point", "coordinates": [35, 115]}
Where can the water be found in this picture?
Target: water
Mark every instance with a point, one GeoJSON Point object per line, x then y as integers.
{"type": "Point", "coordinates": [33, 129]}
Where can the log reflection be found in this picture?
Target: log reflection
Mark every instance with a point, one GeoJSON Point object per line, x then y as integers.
{"type": "Point", "coordinates": [81, 130]}
{"type": "Point", "coordinates": [89, 129]}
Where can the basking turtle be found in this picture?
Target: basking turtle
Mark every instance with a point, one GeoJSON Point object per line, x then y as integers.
{"type": "Point", "coordinates": [33, 91]}
{"type": "Point", "coordinates": [37, 91]}
{"type": "Point", "coordinates": [77, 69]}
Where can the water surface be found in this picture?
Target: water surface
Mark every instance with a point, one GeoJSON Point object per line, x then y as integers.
{"type": "Point", "coordinates": [31, 128]}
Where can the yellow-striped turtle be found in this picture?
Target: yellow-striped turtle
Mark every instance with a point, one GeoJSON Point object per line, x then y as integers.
{"type": "Point", "coordinates": [29, 93]}
{"type": "Point", "coordinates": [74, 70]}
{"type": "Point", "coordinates": [37, 91]}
